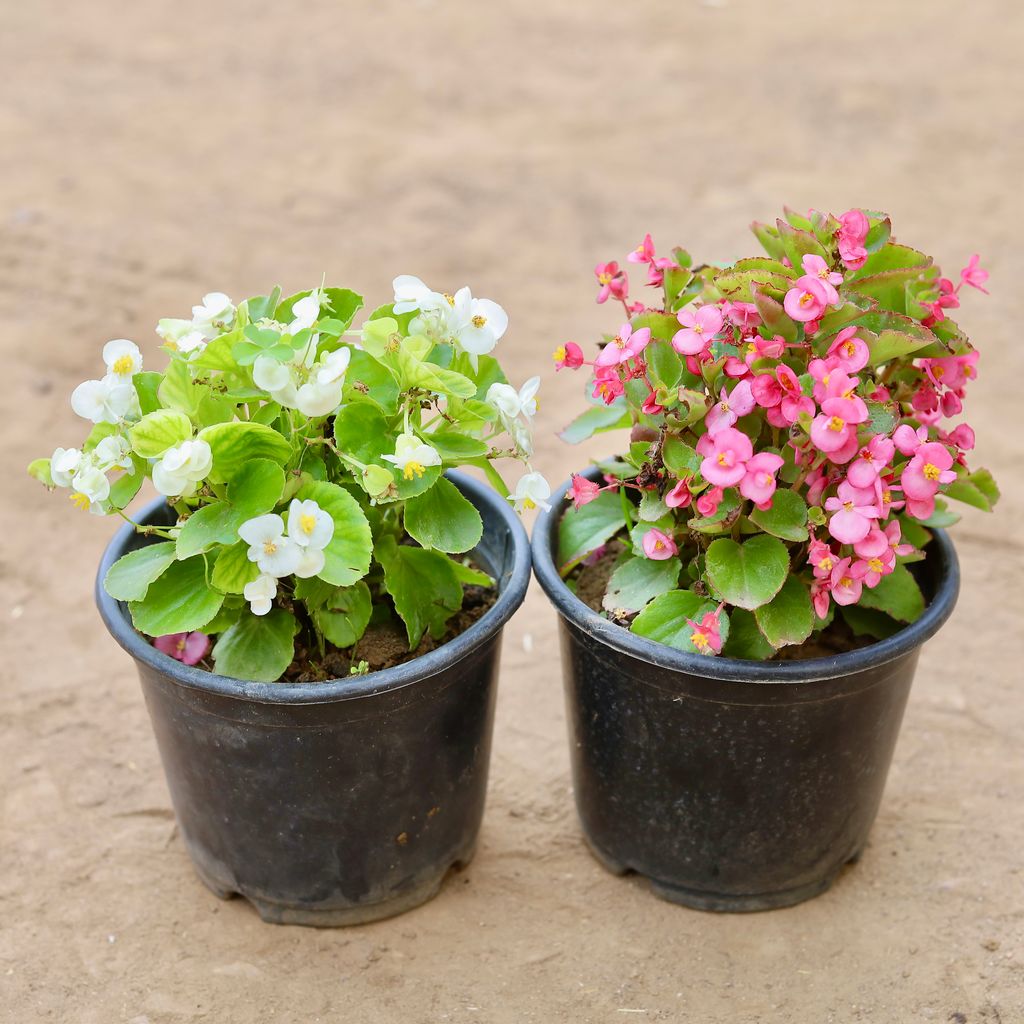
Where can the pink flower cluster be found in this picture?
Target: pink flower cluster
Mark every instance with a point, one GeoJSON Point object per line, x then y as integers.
{"type": "Point", "coordinates": [860, 439]}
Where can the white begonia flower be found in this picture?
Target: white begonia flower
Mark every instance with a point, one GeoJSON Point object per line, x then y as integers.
{"type": "Point", "coordinates": [123, 358]}
{"type": "Point", "coordinates": [112, 452]}
{"type": "Point", "coordinates": [109, 400]}
{"type": "Point", "coordinates": [181, 335]}
{"type": "Point", "coordinates": [311, 561]}
{"type": "Point", "coordinates": [531, 491]}
{"type": "Point", "coordinates": [306, 311]}
{"type": "Point", "coordinates": [182, 468]}
{"type": "Point", "coordinates": [481, 326]}
{"type": "Point", "coordinates": [271, 375]}
{"type": "Point", "coordinates": [90, 488]}
{"type": "Point", "coordinates": [412, 456]}
{"type": "Point", "coordinates": [261, 593]}
{"type": "Point", "coordinates": [215, 313]}
{"type": "Point", "coordinates": [410, 292]}
{"type": "Point", "coordinates": [516, 410]}
{"type": "Point", "coordinates": [321, 395]}
{"type": "Point", "coordinates": [309, 525]}
{"type": "Point", "coordinates": [274, 553]}
{"type": "Point", "coordinates": [64, 464]}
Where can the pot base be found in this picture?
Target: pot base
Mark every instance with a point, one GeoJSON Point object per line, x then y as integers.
{"type": "Point", "coordinates": [272, 912]}
{"type": "Point", "coordinates": [729, 903]}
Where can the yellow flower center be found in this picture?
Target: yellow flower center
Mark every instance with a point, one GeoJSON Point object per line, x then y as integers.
{"type": "Point", "coordinates": [938, 371]}
{"type": "Point", "coordinates": [180, 645]}
{"type": "Point", "coordinates": [413, 469]}
{"type": "Point", "coordinates": [823, 273]}
{"type": "Point", "coordinates": [699, 640]}
{"type": "Point", "coordinates": [875, 565]}
{"type": "Point", "coordinates": [698, 328]}
{"type": "Point", "coordinates": [886, 496]}
{"type": "Point", "coordinates": [806, 299]}
{"type": "Point", "coordinates": [307, 523]}
{"type": "Point", "coordinates": [604, 278]}
{"type": "Point", "coordinates": [269, 548]}
{"type": "Point", "coordinates": [618, 342]}
{"type": "Point", "coordinates": [80, 501]}
{"type": "Point", "coordinates": [836, 424]}
{"type": "Point", "coordinates": [751, 348]}
{"type": "Point", "coordinates": [931, 471]}
{"type": "Point", "coordinates": [122, 365]}
{"type": "Point", "coordinates": [723, 459]}
{"type": "Point", "coordinates": [849, 349]}
{"type": "Point", "coordinates": [529, 503]}
{"type": "Point", "coordinates": [450, 299]}
{"type": "Point", "coordinates": [559, 354]}
{"type": "Point", "coordinates": [479, 321]}
{"type": "Point", "coordinates": [826, 563]}
{"type": "Point", "coordinates": [846, 581]}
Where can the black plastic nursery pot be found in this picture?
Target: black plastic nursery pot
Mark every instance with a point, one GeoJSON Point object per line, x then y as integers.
{"type": "Point", "coordinates": [340, 802]}
{"type": "Point", "coordinates": [731, 785]}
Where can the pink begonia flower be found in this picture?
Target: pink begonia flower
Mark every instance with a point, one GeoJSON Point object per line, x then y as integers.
{"type": "Point", "coordinates": [894, 535]}
{"type": "Point", "coordinates": [929, 467]}
{"type": "Point", "coordinates": [820, 597]}
{"type": "Point", "coordinates": [851, 351]}
{"type": "Point", "coordinates": [973, 275]}
{"type": "Point", "coordinates": [613, 281]}
{"type": "Point", "coordinates": [707, 635]}
{"type": "Point", "coordinates": [845, 584]}
{"type": "Point", "coordinates": [908, 440]}
{"type": "Point", "coordinates": [767, 390]}
{"type": "Point", "coordinates": [627, 344]}
{"type": "Point", "coordinates": [699, 329]}
{"type": "Point", "coordinates": [834, 428]}
{"type": "Point", "coordinates": [759, 484]}
{"type": "Point", "coordinates": [651, 407]}
{"type": "Point", "coordinates": [870, 461]}
{"type": "Point", "coordinates": [743, 315]}
{"type": "Point", "coordinates": [659, 546]}
{"type": "Point", "coordinates": [951, 404]}
{"type": "Point", "coordinates": [874, 544]}
{"type": "Point", "coordinates": [815, 266]}
{"type": "Point", "coordinates": [729, 407]}
{"type": "Point", "coordinates": [822, 558]}
{"type": "Point", "coordinates": [871, 570]}
{"type": "Point", "coordinates": [583, 490]}
{"type": "Point", "coordinates": [962, 436]}
{"type": "Point", "coordinates": [644, 252]}
{"type": "Point", "coordinates": [569, 355]}
{"type": "Point", "coordinates": [726, 454]}
{"type": "Point", "coordinates": [680, 496]}
{"type": "Point", "coordinates": [853, 512]}
{"type": "Point", "coordinates": [707, 504]}
{"type": "Point", "coordinates": [188, 648]}
{"type": "Point", "coordinates": [885, 496]}
{"type": "Point", "coordinates": [853, 231]}
{"type": "Point", "coordinates": [925, 399]}
{"type": "Point", "coordinates": [817, 482]}
{"type": "Point", "coordinates": [607, 385]}
{"type": "Point", "coordinates": [947, 299]}
{"type": "Point", "coordinates": [807, 299]}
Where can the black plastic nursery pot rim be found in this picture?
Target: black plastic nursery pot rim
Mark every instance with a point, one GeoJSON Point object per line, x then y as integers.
{"type": "Point", "coordinates": [940, 553]}
{"type": "Point", "coordinates": [511, 588]}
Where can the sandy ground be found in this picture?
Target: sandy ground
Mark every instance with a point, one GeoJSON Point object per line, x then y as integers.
{"type": "Point", "coordinates": [151, 152]}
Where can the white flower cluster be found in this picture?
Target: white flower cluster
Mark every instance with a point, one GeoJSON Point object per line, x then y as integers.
{"type": "Point", "coordinates": [474, 326]}
{"type": "Point", "coordinates": [213, 317]}
{"type": "Point", "coordinates": [300, 552]}
{"type": "Point", "coordinates": [85, 473]}
{"type": "Point", "coordinates": [113, 398]}
{"type": "Point", "coordinates": [311, 381]}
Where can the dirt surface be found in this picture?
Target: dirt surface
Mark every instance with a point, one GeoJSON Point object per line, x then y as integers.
{"type": "Point", "coordinates": [152, 152]}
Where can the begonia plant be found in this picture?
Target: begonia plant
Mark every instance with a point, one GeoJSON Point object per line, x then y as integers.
{"type": "Point", "coordinates": [794, 429]}
{"type": "Point", "coordinates": [302, 462]}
